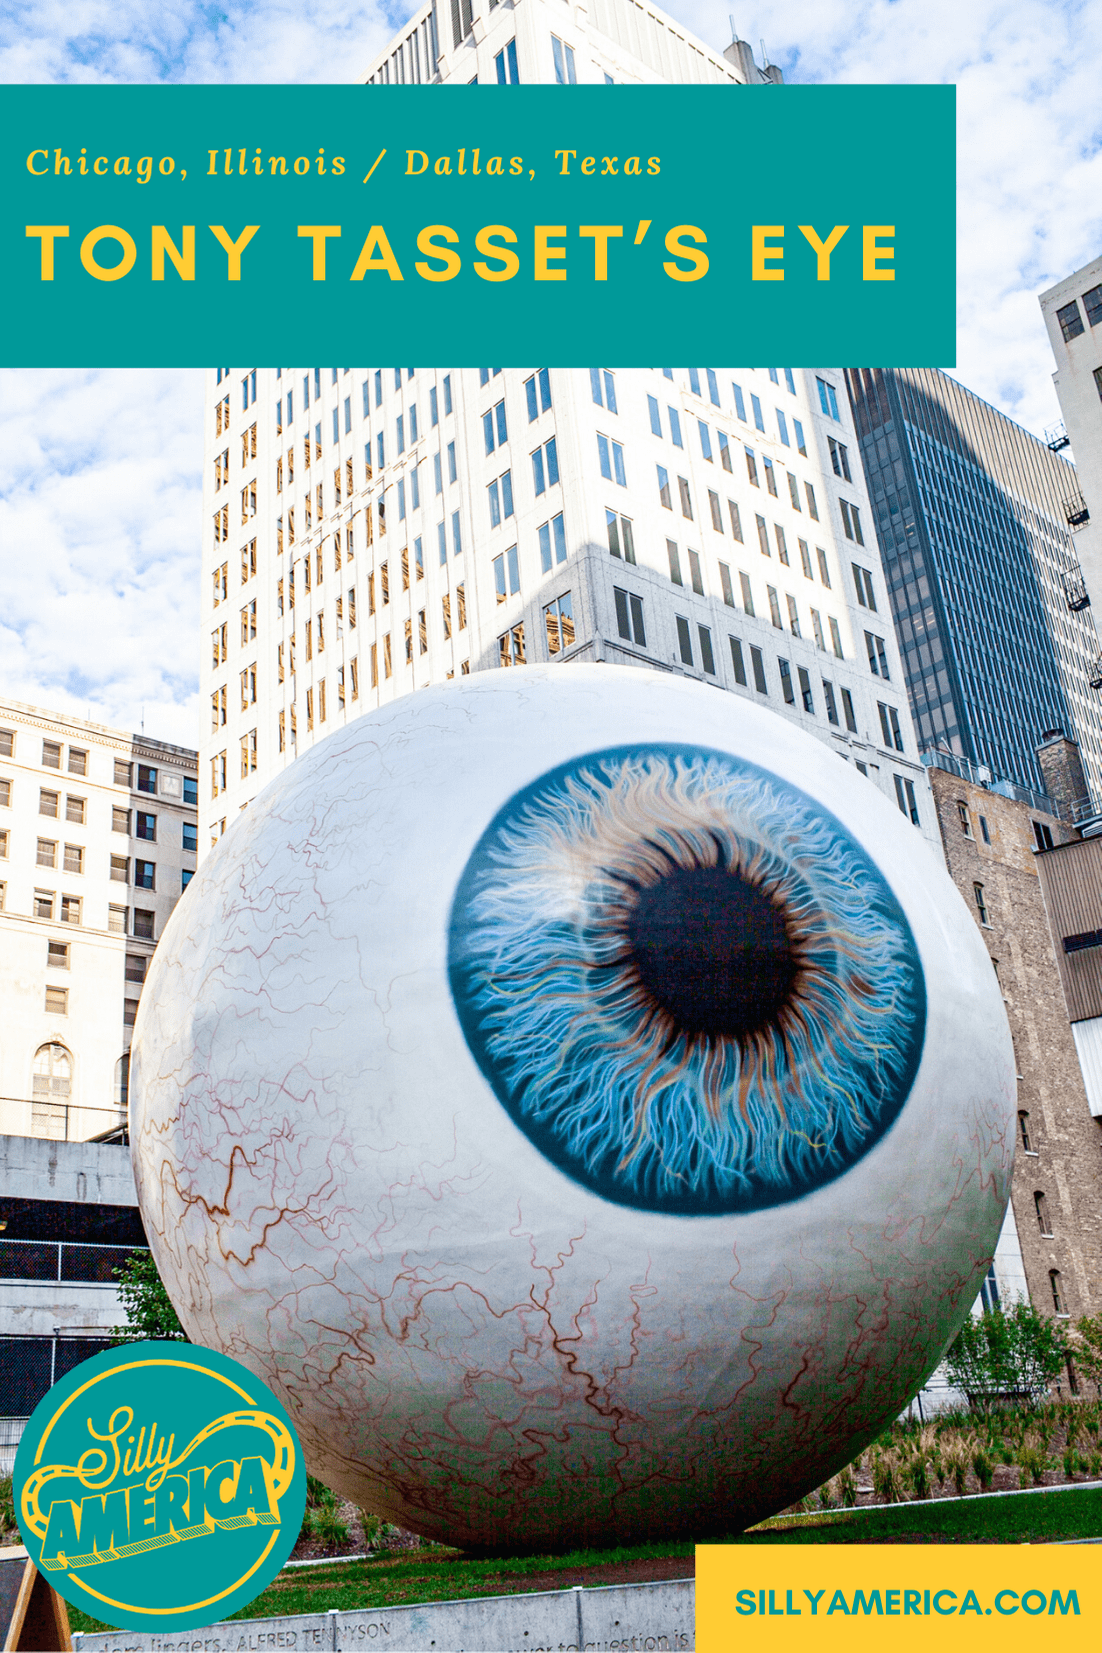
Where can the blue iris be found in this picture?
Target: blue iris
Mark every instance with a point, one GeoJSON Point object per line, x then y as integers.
{"type": "Point", "coordinates": [685, 981]}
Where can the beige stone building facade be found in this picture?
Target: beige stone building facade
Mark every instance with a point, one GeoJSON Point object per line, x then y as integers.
{"type": "Point", "coordinates": [97, 844]}
{"type": "Point", "coordinates": [993, 846]}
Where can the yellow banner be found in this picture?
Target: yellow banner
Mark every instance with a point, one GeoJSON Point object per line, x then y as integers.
{"type": "Point", "coordinates": [826, 1598]}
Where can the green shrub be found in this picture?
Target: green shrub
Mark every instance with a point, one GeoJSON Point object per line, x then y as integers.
{"type": "Point", "coordinates": [982, 1466]}
{"type": "Point", "coordinates": [145, 1302]}
{"type": "Point", "coordinates": [1006, 1355]}
{"type": "Point", "coordinates": [329, 1527]}
{"type": "Point", "coordinates": [885, 1479]}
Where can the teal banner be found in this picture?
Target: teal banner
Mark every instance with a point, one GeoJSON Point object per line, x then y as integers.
{"type": "Point", "coordinates": [154, 226]}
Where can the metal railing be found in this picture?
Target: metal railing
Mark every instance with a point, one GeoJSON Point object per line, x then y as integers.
{"type": "Point", "coordinates": [70, 1262]}
{"type": "Point", "coordinates": [58, 1121]}
{"type": "Point", "coordinates": [1056, 437]}
{"type": "Point", "coordinates": [1075, 592]}
{"type": "Point", "coordinates": [1075, 509]}
{"type": "Point", "coordinates": [980, 775]}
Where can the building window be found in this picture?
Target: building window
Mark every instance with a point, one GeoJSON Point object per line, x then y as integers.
{"type": "Point", "coordinates": [494, 428]}
{"type": "Point", "coordinates": [145, 826]}
{"type": "Point", "coordinates": [57, 1001]}
{"type": "Point", "coordinates": [1071, 322]}
{"type": "Point", "coordinates": [558, 620]}
{"type": "Point", "coordinates": [74, 858]}
{"type": "Point", "coordinates": [757, 663]}
{"type": "Point", "coordinates": [905, 798]}
{"type": "Point", "coordinates": [674, 557]}
{"type": "Point", "coordinates": [145, 875]}
{"type": "Point", "coordinates": [862, 579]}
{"type": "Point", "coordinates": [985, 833]}
{"type": "Point", "coordinates": [664, 487]}
{"type": "Point", "coordinates": [545, 470]}
{"type": "Point", "coordinates": [57, 955]}
{"type": "Point", "coordinates": [981, 904]}
{"type": "Point", "coordinates": [878, 659]}
{"type": "Point", "coordinates": [889, 726]}
{"type": "Point", "coordinates": [74, 810]}
{"type": "Point", "coordinates": [1042, 832]}
{"type": "Point", "coordinates": [848, 712]}
{"type": "Point", "coordinates": [621, 538]}
{"type": "Point", "coordinates": [1092, 303]}
{"type": "Point", "coordinates": [78, 761]}
{"type": "Point", "coordinates": [143, 924]}
{"type": "Point", "coordinates": [1023, 1131]}
{"type": "Point", "coordinates": [603, 385]}
{"type": "Point", "coordinates": [116, 920]}
{"type": "Point", "coordinates": [46, 853]}
{"type": "Point", "coordinates": [70, 909]}
{"type": "Point", "coordinates": [147, 777]}
{"type": "Point", "coordinates": [51, 1087]}
{"type": "Point", "coordinates": [48, 802]}
{"type": "Point", "coordinates": [684, 641]}
{"type": "Point", "coordinates": [51, 754]}
{"type": "Point", "coordinates": [506, 65]}
{"type": "Point", "coordinates": [686, 501]}
{"type": "Point", "coordinates": [831, 703]}
{"type": "Point", "coordinates": [1044, 1222]}
{"type": "Point", "coordinates": [629, 617]}
{"type": "Point", "coordinates": [1059, 1306]}
{"type": "Point", "coordinates": [510, 646]}
{"type": "Point", "coordinates": [839, 459]}
{"type": "Point", "coordinates": [190, 835]}
{"type": "Point", "coordinates": [851, 523]}
{"type": "Point", "coordinates": [7, 743]}
{"type": "Point", "coordinates": [828, 401]}
{"type": "Point", "coordinates": [563, 55]}
{"type": "Point", "coordinates": [964, 817]}
{"type": "Point", "coordinates": [707, 658]}
{"type": "Point", "coordinates": [806, 695]}
{"type": "Point", "coordinates": [738, 664]}
{"type": "Point", "coordinates": [537, 390]}
{"type": "Point", "coordinates": [548, 533]}
{"type": "Point", "coordinates": [611, 456]}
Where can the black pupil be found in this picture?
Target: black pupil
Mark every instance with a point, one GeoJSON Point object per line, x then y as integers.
{"type": "Point", "coordinates": [712, 950]}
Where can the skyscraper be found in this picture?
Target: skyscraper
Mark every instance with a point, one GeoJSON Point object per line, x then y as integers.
{"type": "Point", "coordinates": [986, 590]}
{"type": "Point", "coordinates": [373, 530]}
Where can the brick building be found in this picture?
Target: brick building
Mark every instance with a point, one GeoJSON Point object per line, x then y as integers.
{"type": "Point", "coordinates": [994, 843]}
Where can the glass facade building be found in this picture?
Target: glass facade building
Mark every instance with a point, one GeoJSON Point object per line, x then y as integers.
{"type": "Point", "coordinates": [985, 586]}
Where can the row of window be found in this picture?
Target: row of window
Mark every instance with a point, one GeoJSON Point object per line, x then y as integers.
{"type": "Point", "coordinates": [1070, 318]}
{"type": "Point", "coordinates": [145, 822]}
{"type": "Point", "coordinates": [68, 909]}
{"type": "Point", "coordinates": [74, 760]}
{"type": "Point", "coordinates": [57, 1002]}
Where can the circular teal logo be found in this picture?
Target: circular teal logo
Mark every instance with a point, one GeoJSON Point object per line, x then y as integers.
{"type": "Point", "coordinates": [159, 1486]}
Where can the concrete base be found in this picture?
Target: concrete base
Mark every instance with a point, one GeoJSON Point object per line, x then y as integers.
{"type": "Point", "coordinates": [646, 1618]}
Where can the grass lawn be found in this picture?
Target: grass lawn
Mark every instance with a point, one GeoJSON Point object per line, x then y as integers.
{"type": "Point", "coordinates": [1023, 1518]}
{"type": "Point", "coordinates": [447, 1575]}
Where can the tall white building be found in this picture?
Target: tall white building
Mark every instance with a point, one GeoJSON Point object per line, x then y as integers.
{"type": "Point", "coordinates": [97, 843]}
{"type": "Point", "coordinates": [369, 531]}
{"type": "Point", "coordinates": [1073, 315]}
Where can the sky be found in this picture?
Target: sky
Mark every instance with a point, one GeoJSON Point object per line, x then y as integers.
{"type": "Point", "coordinates": [100, 472]}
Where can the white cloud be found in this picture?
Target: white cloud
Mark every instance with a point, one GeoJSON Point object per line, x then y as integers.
{"type": "Point", "coordinates": [100, 471]}
{"type": "Point", "coordinates": [99, 516]}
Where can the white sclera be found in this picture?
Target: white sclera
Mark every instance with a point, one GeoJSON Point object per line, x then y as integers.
{"type": "Point", "coordinates": [469, 1341]}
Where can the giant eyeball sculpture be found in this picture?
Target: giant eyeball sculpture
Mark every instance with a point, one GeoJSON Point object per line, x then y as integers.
{"type": "Point", "coordinates": [583, 1099]}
